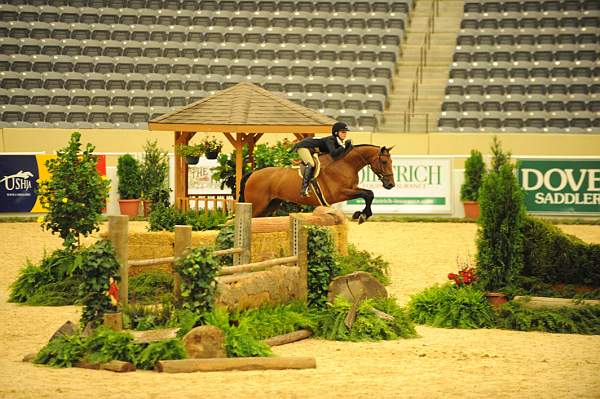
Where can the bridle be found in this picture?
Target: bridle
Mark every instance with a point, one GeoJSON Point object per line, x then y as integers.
{"type": "Point", "coordinates": [367, 161]}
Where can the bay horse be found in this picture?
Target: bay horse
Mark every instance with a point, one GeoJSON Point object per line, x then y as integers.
{"type": "Point", "coordinates": [266, 188]}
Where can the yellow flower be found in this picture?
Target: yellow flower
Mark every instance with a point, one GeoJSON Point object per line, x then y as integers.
{"type": "Point", "coordinates": [40, 219]}
{"type": "Point", "coordinates": [104, 178]}
{"type": "Point", "coordinates": [38, 181]}
{"type": "Point", "coordinates": [65, 200]}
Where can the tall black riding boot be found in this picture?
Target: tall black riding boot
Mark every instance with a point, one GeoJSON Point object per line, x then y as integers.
{"type": "Point", "coordinates": [305, 179]}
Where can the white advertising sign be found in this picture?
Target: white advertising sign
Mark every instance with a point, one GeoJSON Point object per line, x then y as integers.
{"type": "Point", "coordinates": [423, 185]}
{"type": "Point", "coordinates": [200, 178]}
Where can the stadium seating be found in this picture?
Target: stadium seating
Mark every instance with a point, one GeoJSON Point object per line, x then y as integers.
{"type": "Point", "coordinates": [525, 65]}
{"type": "Point", "coordinates": [157, 54]}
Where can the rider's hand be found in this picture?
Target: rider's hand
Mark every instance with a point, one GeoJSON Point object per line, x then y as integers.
{"type": "Point", "coordinates": [348, 143]}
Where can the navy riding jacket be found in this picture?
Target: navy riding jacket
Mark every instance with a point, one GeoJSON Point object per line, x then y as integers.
{"type": "Point", "coordinates": [325, 145]}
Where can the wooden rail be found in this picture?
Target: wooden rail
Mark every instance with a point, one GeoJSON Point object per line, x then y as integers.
{"type": "Point", "coordinates": [257, 266]}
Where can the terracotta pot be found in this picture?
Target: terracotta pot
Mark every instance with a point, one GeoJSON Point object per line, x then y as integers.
{"type": "Point", "coordinates": [147, 207]}
{"type": "Point", "coordinates": [471, 209]}
{"type": "Point", "coordinates": [496, 299]}
{"type": "Point", "coordinates": [130, 207]}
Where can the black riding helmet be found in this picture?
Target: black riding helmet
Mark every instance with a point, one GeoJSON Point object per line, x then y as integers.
{"type": "Point", "coordinates": [337, 127]}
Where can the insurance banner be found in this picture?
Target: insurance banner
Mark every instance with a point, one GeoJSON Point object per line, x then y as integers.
{"type": "Point", "coordinates": [561, 186]}
{"type": "Point", "coordinates": [18, 181]}
{"type": "Point", "coordinates": [423, 185]}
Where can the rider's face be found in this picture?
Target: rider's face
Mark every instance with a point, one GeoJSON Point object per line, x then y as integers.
{"type": "Point", "coordinates": [342, 134]}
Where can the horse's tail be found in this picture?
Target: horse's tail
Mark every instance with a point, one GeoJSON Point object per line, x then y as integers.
{"type": "Point", "coordinates": [243, 185]}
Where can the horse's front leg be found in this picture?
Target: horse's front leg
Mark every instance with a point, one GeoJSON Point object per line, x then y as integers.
{"type": "Point", "coordinates": [366, 195]}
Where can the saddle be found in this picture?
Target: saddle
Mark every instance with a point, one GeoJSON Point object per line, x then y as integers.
{"type": "Point", "coordinates": [313, 184]}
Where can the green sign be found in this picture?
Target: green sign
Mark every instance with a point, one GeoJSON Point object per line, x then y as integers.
{"type": "Point", "coordinates": [561, 186]}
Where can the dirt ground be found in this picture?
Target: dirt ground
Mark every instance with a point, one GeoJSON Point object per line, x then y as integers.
{"type": "Point", "coordinates": [440, 363]}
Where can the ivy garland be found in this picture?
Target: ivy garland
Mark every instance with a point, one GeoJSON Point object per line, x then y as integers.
{"type": "Point", "coordinates": [99, 266]}
{"type": "Point", "coordinates": [322, 266]}
{"type": "Point", "coordinates": [198, 271]}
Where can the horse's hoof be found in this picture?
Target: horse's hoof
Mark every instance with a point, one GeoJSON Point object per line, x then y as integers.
{"type": "Point", "coordinates": [356, 215]}
{"type": "Point", "coordinates": [361, 219]}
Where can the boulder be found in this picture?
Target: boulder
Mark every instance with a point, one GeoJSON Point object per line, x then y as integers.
{"type": "Point", "coordinates": [205, 342]}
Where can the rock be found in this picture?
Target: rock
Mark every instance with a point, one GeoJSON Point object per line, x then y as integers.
{"type": "Point", "coordinates": [356, 287]}
{"type": "Point", "coordinates": [205, 342]}
{"type": "Point", "coordinates": [65, 330]}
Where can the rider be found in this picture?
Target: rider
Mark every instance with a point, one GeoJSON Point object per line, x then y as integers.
{"type": "Point", "coordinates": [333, 145]}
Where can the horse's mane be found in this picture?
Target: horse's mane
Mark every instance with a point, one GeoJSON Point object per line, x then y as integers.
{"type": "Point", "coordinates": [365, 145]}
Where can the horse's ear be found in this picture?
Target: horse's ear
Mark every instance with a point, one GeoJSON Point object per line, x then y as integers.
{"type": "Point", "coordinates": [385, 149]}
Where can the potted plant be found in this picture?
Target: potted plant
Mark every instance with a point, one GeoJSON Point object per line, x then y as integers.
{"type": "Point", "coordinates": [211, 146]}
{"type": "Point", "coordinates": [191, 152]}
{"type": "Point", "coordinates": [130, 185]}
{"type": "Point", "coordinates": [469, 191]}
{"type": "Point", "coordinates": [154, 170]}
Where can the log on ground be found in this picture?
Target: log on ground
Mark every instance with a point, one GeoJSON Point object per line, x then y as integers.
{"type": "Point", "coordinates": [235, 363]}
{"type": "Point", "coordinates": [537, 302]}
{"type": "Point", "coordinates": [288, 338]}
{"type": "Point", "coordinates": [117, 366]}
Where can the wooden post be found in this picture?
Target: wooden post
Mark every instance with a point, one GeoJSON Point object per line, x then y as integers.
{"type": "Point", "coordinates": [299, 248]}
{"type": "Point", "coordinates": [243, 233]}
{"type": "Point", "coordinates": [183, 240]}
{"type": "Point", "coordinates": [118, 236]}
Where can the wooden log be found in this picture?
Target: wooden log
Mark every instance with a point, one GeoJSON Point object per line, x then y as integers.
{"type": "Point", "coordinates": [235, 363]}
{"type": "Point", "coordinates": [119, 236]}
{"type": "Point", "coordinates": [229, 251]}
{"type": "Point", "coordinates": [141, 337]}
{"type": "Point", "coordinates": [113, 320]}
{"type": "Point", "coordinates": [181, 242]}
{"type": "Point", "coordinates": [288, 338]}
{"type": "Point", "coordinates": [117, 366]}
{"type": "Point", "coordinates": [537, 302]}
{"type": "Point", "coordinates": [256, 266]}
{"type": "Point", "coordinates": [150, 262]}
{"type": "Point", "coordinates": [270, 224]}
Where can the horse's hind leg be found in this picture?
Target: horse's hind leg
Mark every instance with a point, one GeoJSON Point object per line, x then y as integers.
{"type": "Point", "coordinates": [260, 207]}
{"type": "Point", "coordinates": [272, 207]}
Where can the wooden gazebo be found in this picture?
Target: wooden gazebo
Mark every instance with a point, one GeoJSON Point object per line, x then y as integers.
{"type": "Point", "coordinates": [243, 113]}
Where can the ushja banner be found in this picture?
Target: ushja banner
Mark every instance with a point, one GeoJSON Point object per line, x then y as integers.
{"type": "Point", "coordinates": [18, 181]}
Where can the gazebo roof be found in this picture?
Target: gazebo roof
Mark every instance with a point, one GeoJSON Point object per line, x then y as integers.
{"type": "Point", "coordinates": [245, 108]}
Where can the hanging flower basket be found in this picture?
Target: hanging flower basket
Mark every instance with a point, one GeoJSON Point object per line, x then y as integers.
{"type": "Point", "coordinates": [212, 154]}
{"type": "Point", "coordinates": [192, 160]}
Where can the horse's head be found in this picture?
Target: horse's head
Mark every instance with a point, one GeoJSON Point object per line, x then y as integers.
{"type": "Point", "coordinates": [382, 167]}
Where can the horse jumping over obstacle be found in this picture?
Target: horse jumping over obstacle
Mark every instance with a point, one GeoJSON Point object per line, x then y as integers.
{"type": "Point", "coordinates": [267, 188]}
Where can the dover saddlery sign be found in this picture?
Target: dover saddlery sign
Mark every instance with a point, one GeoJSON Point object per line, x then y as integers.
{"type": "Point", "coordinates": [561, 186]}
{"type": "Point", "coordinates": [423, 185]}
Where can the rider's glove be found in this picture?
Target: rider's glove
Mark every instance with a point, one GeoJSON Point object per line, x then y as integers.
{"type": "Point", "coordinates": [348, 143]}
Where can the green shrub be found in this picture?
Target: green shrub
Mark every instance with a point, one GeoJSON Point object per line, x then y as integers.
{"type": "Point", "coordinates": [225, 240]}
{"type": "Point", "coordinates": [100, 268]}
{"type": "Point", "coordinates": [269, 321]}
{"type": "Point", "coordinates": [239, 341]}
{"type": "Point", "coordinates": [581, 320]}
{"type": "Point", "coordinates": [198, 271]}
{"type": "Point", "coordinates": [150, 287]}
{"type": "Point", "coordinates": [322, 266]}
{"type": "Point", "coordinates": [556, 257]}
{"type": "Point", "coordinates": [451, 307]}
{"type": "Point", "coordinates": [53, 282]}
{"type": "Point", "coordinates": [358, 260]}
{"type": "Point", "coordinates": [474, 173]}
{"type": "Point", "coordinates": [130, 178]}
{"type": "Point", "coordinates": [62, 351]}
{"type": "Point", "coordinates": [367, 326]}
{"type": "Point", "coordinates": [163, 218]}
{"type": "Point", "coordinates": [171, 349]}
{"type": "Point", "coordinates": [154, 172]}
{"type": "Point", "coordinates": [75, 193]}
{"type": "Point", "coordinates": [500, 236]}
